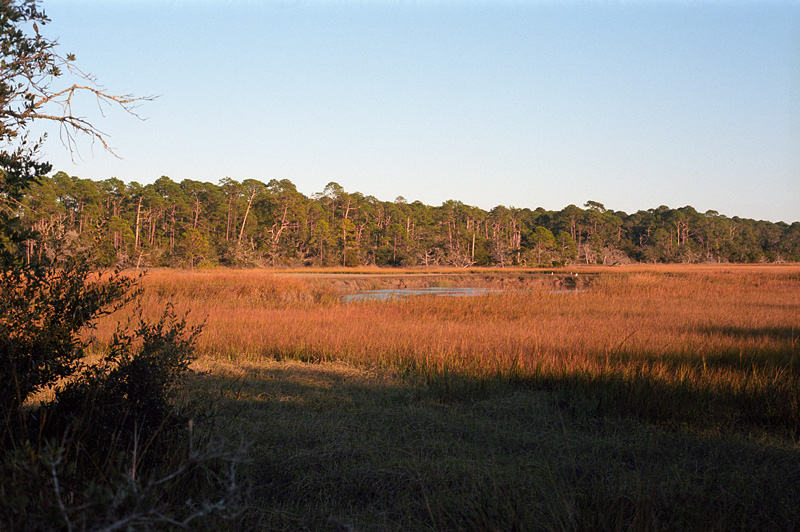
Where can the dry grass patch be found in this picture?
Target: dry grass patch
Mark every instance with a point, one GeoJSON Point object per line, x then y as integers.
{"type": "Point", "coordinates": [713, 347]}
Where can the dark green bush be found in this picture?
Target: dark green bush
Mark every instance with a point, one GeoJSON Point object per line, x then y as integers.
{"type": "Point", "coordinates": [126, 394]}
{"type": "Point", "coordinates": [43, 311]}
{"type": "Point", "coordinates": [108, 451]}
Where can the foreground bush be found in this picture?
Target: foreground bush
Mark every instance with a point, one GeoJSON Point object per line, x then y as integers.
{"type": "Point", "coordinates": [106, 451]}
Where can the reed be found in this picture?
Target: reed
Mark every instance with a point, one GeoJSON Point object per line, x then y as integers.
{"type": "Point", "coordinates": [711, 346]}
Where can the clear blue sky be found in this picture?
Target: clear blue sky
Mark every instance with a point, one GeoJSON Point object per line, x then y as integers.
{"type": "Point", "coordinates": [634, 104]}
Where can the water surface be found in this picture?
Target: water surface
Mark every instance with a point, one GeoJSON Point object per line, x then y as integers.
{"type": "Point", "coordinates": [398, 293]}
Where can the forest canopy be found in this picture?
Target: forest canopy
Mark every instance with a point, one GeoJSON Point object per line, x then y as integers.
{"type": "Point", "coordinates": [251, 223]}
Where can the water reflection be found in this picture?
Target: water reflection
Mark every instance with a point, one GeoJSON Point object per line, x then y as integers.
{"type": "Point", "coordinates": [398, 293]}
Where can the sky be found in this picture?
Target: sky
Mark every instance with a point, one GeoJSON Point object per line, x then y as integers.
{"type": "Point", "coordinates": [633, 104]}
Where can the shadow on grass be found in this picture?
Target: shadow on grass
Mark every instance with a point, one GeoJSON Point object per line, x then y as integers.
{"type": "Point", "coordinates": [753, 389]}
{"type": "Point", "coordinates": [787, 335]}
{"type": "Point", "coordinates": [768, 410]}
{"type": "Point", "coordinates": [341, 448]}
{"type": "Point", "coordinates": [769, 348]}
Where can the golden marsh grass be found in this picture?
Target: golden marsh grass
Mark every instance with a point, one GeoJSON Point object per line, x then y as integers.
{"type": "Point", "coordinates": [717, 345]}
{"type": "Point", "coordinates": [657, 398]}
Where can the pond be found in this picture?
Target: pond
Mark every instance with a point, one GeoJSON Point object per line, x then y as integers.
{"type": "Point", "coordinates": [399, 293]}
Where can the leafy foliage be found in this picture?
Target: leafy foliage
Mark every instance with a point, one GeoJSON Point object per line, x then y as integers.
{"type": "Point", "coordinates": [108, 452]}
{"type": "Point", "coordinates": [43, 311]}
{"type": "Point", "coordinates": [126, 394]}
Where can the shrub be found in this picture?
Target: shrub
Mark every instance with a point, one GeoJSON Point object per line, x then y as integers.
{"type": "Point", "coordinates": [43, 311]}
{"type": "Point", "coordinates": [106, 451]}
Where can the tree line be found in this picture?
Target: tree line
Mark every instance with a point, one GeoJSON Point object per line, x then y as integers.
{"type": "Point", "coordinates": [250, 223]}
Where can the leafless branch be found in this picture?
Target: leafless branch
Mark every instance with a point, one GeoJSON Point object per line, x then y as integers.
{"type": "Point", "coordinates": [32, 99]}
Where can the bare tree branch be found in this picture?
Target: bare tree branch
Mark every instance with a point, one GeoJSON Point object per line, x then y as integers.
{"type": "Point", "coordinates": [30, 66]}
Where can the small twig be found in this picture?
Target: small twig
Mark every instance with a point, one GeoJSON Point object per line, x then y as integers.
{"type": "Point", "coordinates": [56, 486]}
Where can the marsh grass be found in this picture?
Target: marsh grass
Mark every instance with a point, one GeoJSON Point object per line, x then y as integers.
{"type": "Point", "coordinates": [337, 445]}
{"type": "Point", "coordinates": [655, 399]}
{"type": "Point", "coordinates": [715, 349]}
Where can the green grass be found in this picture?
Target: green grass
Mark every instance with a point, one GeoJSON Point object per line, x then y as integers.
{"type": "Point", "coordinates": [336, 447]}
